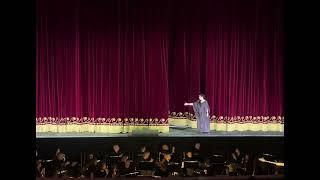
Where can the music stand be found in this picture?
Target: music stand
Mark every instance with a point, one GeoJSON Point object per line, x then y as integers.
{"type": "Point", "coordinates": [113, 160]}
{"type": "Point", "coordinates": [174, 167]}
{"type": "Point", "coordinates": [197, 156]}
{"type": "Point", "coordinates": [190, 167]}
{"type": "Point", "coordinates": [191, 164]}
{"type": "Point", "coordinates": [145, 165]}
{"type": "Point", "coordinates": [131, 174]}
{"type": "Point", "coordinates": [146, 168]}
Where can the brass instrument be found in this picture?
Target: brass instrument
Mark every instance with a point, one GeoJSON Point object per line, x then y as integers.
{"type": "Point", "coordinates": [280, 164]}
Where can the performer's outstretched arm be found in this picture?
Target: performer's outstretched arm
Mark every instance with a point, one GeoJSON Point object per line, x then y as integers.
{"type": "Point", "coordinates": [188, 104]}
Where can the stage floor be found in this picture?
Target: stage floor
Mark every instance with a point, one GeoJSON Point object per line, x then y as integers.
{"type": "Point", "coordinates": [173, 132]}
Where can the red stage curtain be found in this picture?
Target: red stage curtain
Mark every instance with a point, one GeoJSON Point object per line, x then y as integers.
{"type": "Point", "coordinates": [141, 59]}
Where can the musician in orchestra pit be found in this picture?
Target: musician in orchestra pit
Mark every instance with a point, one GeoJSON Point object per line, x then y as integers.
{"type": "Point", "coordinates": [116, 150]}
{"type": "Point", "coordinates": [189, 156]}
{"type": "Point", "coordinates": [115, 171]}
{"type": "Point", "coordinates": [115, 156]}
{"type": "Point", "coordinates": [40, 170]}
{"type": "Point", "coordinates": [240, 161]}
{"type": "Point", "coordinates": [146, 158]}
{"type": "Point", "coordinates": [163, 169]}
{"type": "Point", "coordinates": [208, 169]}
{"type": "Point", "coordinates": [57, 152]}
{"type": "Point", "coordinates": [247, 166]}
{"type": "Point", "coordinates": [174, 155]}
{"type": "Point", "coordinates": [124, 158]}
{"type": "Point", "coordinates": [236, 163]}
{"type": "Point", "coordinates": [188, 171]}
{"type": "Point", "coordinates": [59, 165]}
{"type": "Point", "coordinates": [239, 156]}
{"type": "Point", "coordinates": [140, 153]}
{"type": "Point", "coordinates": [197, 152]}
{"type": "Point", "coordinates": [126, 166]}
{"type": "Point", "coordinates": [90, 166]}
{"type": "Point", "coordinates": [197, 147]}
{"type": "Point", "coordinates": [164, 150]}
{"type": "Point", "coordinates": [142, 149]}
{"type": "Point", "coordinates": [103, 171]}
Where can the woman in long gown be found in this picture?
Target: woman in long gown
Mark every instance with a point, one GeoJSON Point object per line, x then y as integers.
{"type": "Point", "coordinates": [202, 111]}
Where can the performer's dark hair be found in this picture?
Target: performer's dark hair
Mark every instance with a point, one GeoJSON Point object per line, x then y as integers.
{"type": "Point", "coordinates": [202, 95]}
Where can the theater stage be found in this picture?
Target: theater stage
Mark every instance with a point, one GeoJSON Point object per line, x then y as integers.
{"type": "Point", "coordinates": [173, 132]}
